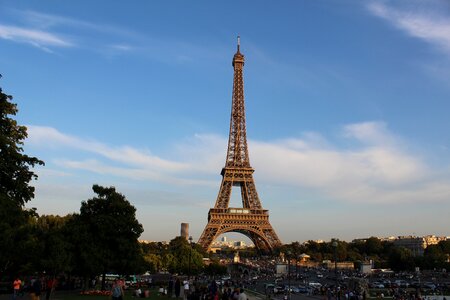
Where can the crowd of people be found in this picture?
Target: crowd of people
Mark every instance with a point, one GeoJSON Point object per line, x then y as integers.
{"type": "Point", "coordinates": [197, 290]}
{"type": "Point", "coordinates": [37, 287]}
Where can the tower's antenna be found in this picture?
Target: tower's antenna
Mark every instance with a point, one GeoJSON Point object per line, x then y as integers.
{"type": "Point", "coordinates": [239, 42]}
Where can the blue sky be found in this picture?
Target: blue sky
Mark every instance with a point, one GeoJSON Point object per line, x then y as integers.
{"type": "Point", "coordinates": [347, 109]}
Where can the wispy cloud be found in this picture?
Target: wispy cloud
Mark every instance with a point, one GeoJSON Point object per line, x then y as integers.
{"type": "Point", "coordinates": [429, 25]}
{"type": "Point", "coordinates": [38, 29]}
{"type": "Point", "coordinates": [38, 38]}
{"type": "Point", "coordinates": [378, 169]}
{"type": "Point", "coordinates": [122, 47]}
{"type": "Point", "coordinates": [48, 21]}
{"type": "Point", "coordinates": [50, 137]}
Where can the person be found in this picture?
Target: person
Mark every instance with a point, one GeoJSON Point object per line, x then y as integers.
{"type": "Point", "coordinates": [186, 289]}
{"type": "Point", "coordinates": [50, 286]}
{"type": "Point", "coordinates": [242, 295]}
{"type": "Point", "coordinates": [170, 288]}
{"type": "Point", "coordinates": [226, 294]}
{"type": "Point", "coordinates": [117, 291]}
{"type": "Point", "coordinates": [177, 288]}
{"type": "Point", "coordinates": [213, 289]}
{"type": "Point", "coordinates": [36, 289]}
{"type": "Point", "coordinates": [161, 290]}
{"type": "Point", "coordinates": [138, 292]}
{"type": "Point", "coordinates": [235, 294]}
{"type": "Point", "coordinates": [17, 285]}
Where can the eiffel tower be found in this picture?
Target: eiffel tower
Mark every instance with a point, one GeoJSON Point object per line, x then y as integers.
{"type": "Point", "coordinates": [251, 219]}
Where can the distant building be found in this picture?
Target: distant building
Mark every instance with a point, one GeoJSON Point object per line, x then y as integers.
{"type": "Point", "coordinates": [215, 249]}
{"type": "Point", "coordinates": [434, 240]}
{"type": "Point", "coordinates": [281, 268]}
{"type": "Point", "coordinates": [145, 241]}
{"type": "Point", "coordinates": [416, 244]}
{"type": "Point", "coordinates": [224, 243]}
{"type": "Point", "coordinates": [237, 258]}
{"type": "Point", "coordinates": [388, 239]}
{"type": "Point", "coordinates": [366, 267]}
{"type": "Point", "coordinates": [340, 265]}
{"type": "Point", "coordinates": [148, 242]}
{"type": "Point", "coordinates": [239, 245]}
{"type": "Point", "coordinates": [362, 240]}
{"type": "Point", "coordinates": [184, 232]}
{"type": "Point", "coordinates": [304, 257]}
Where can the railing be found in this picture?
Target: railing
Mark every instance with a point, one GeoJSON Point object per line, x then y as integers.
{"type": "Point", "coordinates": [238, 211]}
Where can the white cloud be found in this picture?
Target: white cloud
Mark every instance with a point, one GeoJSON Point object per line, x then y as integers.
{"type": "Point", "coordinates": [34, 37]}
{"type": "Point", "coordinates": [43, 20]}
{"type": "Point", "coordinates": [141, 174]}
{"type": "Point", "coordinates": [379, 169]}
{"type": "Point", "coordinates": [430, 26]}
{"type": "Point", "coordinates": [110, 40]}
{"type": "Point", "coordinates": [375, 133]}
{"type": "Point", "coordinates": [50, 137]}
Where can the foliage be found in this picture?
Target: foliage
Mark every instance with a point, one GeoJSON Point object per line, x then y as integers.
{"type": "Point", "coordinates": [401, 258]}
{"type": "Point", "coordinates": [185, 258]}
{"type": "Point", "coordinates": [177, 257]}
{"type": "Point", "coordinates": [105, 235]}
{"type": "Point", "coordinates": [54, 251]}
{"type": "Point", "coordinates": [383, 253]}
{"type": "Point", "coordinates": [215, 268]}
{"type": "Point", "coordinates": [15, 173]}
{"type": "Point", "coordinates": [153, 262]}
{"type": "Point", "coordinates": [15, 189]}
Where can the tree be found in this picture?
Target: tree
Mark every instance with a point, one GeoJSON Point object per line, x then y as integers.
{"type": "Point", "coordinates": [15, 188]}
{"type": "Point", "coordinates": [434, 257]}
{"type": "Point", "coordinates": [185, 258]}
{"type": "Point", "coordinates": [106, 235]}
{"type": "Point", "coordinates": [445, 246]}
{"type": "Point", "coordinates": [401, 259]}
{"type": "Point", "coordinates": [373, 246]}
{"type": "Point", "coordinates": [55, 250]}
{"type": "Point", "coordinates": [152, 262]}
{"type": "Point", "coordinates": [215, 269]}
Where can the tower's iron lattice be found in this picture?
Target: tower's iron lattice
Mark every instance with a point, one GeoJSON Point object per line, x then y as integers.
{"type": "Point", "coordinates": [251, 220]}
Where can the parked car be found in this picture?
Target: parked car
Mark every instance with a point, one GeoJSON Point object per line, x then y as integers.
{"type": "Point", "coordinates": [377, 285]}
{"type": "Point", "coordinates": [315, 284]}
{"type": "Point", "coordinates": [294, 290]}
{"type": "Point", "coordinates": [401, 283]}
{"type": "Point", "coordinates": [279, 289]}
{"type": "Point", "coordinates": [429, 285]}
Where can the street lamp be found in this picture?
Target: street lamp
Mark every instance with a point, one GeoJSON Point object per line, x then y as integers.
{"type": "Point", "coordinates": [335, 245]}
{"type": "Point", "coordinates": [190, 254]}
{"type": "Point", "coordinates": [288, 255]}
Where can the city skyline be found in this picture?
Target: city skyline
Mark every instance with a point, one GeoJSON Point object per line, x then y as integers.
{"type": "Point", "coordinates": [347, 110]}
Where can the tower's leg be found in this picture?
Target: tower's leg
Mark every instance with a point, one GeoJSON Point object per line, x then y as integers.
{"type": "Point", "coordinates": [208, 236]}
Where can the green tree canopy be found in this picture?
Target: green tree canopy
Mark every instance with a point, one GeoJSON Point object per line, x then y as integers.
{"type": "Point", "coordinates": [15, 188]}
{"type": "Point", "coordinates": [106, 233]}
{"type": "Point", "coordinates": [186, 259]}
{"type": "Point", "coordinates": [55, 254]}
